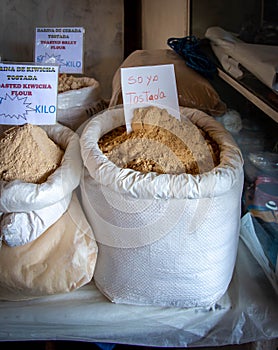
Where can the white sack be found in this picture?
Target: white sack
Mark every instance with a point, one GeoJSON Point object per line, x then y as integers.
{"type": "Point", "coordinates": [18, 196]}
{"type": "Point", "coordinates": [163, 239]}
{"type": "Point", "coordinates": [21, 228]}
{"type": "Point", "coordinates": [74, 106]}
{"type": "Point", "coordinates": [260, 60]}
{"type": "Point", "coordinates": [74, 117]}
{"type": "Point", "coordinates": [80, 97]}
{"type": "Point", "coordinates": [29, 209]}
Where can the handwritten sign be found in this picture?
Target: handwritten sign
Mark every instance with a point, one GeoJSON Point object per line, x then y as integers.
{"type": "Point", "coordinates": [28, 94]}
{"type": "Point", "coordinates": [60, 46]}
{"type": "Point", "coordinates": [149, 85]}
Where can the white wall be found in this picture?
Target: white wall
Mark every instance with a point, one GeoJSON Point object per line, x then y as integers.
{"type": "Point", "coordinates": [102, 20]}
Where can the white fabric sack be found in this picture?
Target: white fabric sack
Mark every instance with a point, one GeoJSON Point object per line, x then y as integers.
{"type": "Point", "coordinates": [73, 106]}
{"type": "Point", "coordinates": [16, 194]}
{"type": "Point", "coordinates": [260, 60]}
{"type": "Point", "coordinates": [163, 239]}
{"type": "Point", "coordinates": [80, 97]}
{"type": "Point", "coordinates": [28, 209]}
{"type": "Point", "coordinates": [230, 65]}
{"type": "Point", "coordinates": [21, 228]}
{"type": "Point", "coordinates": [74, 117]}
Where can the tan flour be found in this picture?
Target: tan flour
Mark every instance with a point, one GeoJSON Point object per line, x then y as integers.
{"type": "Point", "coordinates": [28, 154]}
{"type": "Point", "coordinates": [69, 82]}
{"type": "Point", "coordinates": [160, 143]}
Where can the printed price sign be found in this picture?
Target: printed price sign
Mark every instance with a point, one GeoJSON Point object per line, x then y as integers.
{"type": "Point", "coordinates": [28, 94]}
{"type": "Point", "coordinates": [60, 46]}
{"type": "Point", "coordinates": [149, 85]}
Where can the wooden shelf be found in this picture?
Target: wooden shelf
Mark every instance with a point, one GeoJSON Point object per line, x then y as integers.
{"type": "Point", "coordinates": [255, 93]}
{"type": "Point", "coordinates": [248, 85]}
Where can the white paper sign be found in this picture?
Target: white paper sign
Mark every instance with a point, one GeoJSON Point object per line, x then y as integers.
{"type": "Point", "coordinates": [149, 85]}
{"type": "Point", "coordinates": [60, 46]}
{"type": "Point", "coordinates": [28, 94]}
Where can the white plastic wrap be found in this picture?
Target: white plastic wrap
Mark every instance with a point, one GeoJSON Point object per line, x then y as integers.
{"type": "Point", "coordinates": [247, 312]}
{"type": "Point", "coordinates": [250, 238]}
{"type": "Point", "coordinates": [167, 239]}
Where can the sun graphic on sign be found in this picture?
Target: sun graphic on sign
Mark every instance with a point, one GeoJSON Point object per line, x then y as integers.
{"type": "Point", "coordinates": [51, 59]}
{"type": "Point", "coordinates": [19, 107]}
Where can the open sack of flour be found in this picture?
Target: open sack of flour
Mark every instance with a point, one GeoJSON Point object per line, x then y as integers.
{"type": "Point", "coordinates": [167, 235]}
{"type": "Point", "coordinates": [40, 168]}
{"type": "Point", "coordinates": [78, 99]}
{"type": "Point", "coordinates": [48, 245]}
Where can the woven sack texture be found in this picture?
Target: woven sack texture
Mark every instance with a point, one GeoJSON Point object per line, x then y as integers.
{"type": "Point", "coordinates": [163, 239]}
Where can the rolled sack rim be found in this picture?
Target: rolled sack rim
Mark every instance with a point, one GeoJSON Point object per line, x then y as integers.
{"type": "Point", "coordinates": [216, 182]}
{"type": "Point", "coordinates": [18, 195]}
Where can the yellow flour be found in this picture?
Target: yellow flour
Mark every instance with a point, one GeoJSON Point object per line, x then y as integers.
{"type": "Point", "coordinates": [28, 154]}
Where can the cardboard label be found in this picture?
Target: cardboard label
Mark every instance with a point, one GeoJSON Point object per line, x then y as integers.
{"type": "Point", "coordinates": [60, 46]}
{"type": "Point", "coordinates": [149, 85]}
{"type": "Point", "coordinates": [28, 94]}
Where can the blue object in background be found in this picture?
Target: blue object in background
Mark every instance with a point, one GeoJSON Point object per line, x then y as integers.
{"type": "Point", "coordinates": [105, 346]}
{"type": "Point", "coordinates": [189, 48]}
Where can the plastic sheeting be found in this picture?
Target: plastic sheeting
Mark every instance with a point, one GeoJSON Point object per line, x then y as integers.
{"type": "Point", "coordinates": [263, 246]}
{"type": "Point", "coordinates": [247, 312]}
